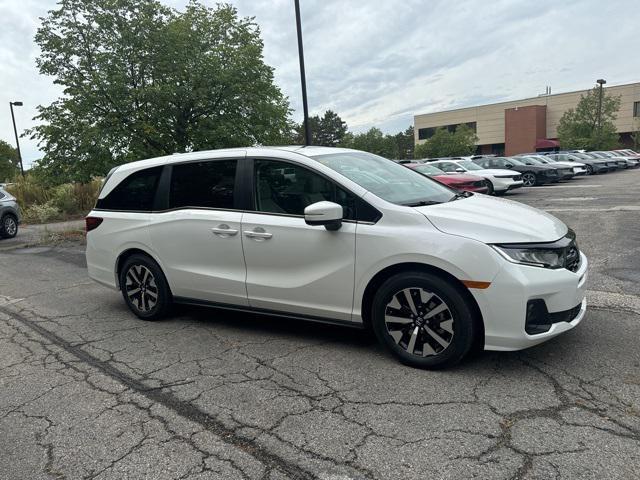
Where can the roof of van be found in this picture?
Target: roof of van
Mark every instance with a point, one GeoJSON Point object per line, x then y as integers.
{"type": "Point", "coordinates": [308, 151]}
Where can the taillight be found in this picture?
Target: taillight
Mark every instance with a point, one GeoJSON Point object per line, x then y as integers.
{"type": "Point", "coordinates": [92, 223]}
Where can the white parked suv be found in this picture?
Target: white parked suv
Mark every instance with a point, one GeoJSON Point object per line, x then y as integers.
{"type": "Point", "coordinates": [499, 180]}
{"type": "Point", "coordinates": [337, 236]}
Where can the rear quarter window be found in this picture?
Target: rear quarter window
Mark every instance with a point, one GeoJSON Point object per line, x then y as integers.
{"type": "Point", "coordinates": [135, 193]}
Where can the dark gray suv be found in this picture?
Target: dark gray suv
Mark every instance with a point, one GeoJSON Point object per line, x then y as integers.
{"type": "Point", "coordinates": [9, 214]}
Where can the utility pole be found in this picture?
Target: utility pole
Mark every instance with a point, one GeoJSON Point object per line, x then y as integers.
{"type": "Point", "coordinates": [303, 81]}
{"type": "Point", "coordinates": [601, 82]}
{"type": "Point", "coordinates": [15, 131]}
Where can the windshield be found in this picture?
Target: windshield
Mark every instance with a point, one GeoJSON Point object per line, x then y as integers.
{"type": "Point", "coordinates": [469, 165]}
{"type": "Point", "coordinates": [386, 179]}
{"type": "Point", "coordinates": [429, 170]}
{"type": "Point", "coordinates": [533, 160]}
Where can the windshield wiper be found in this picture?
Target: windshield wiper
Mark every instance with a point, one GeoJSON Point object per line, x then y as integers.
{"type": "Point", "coordinates": [460, 195]}
{"type": "Point", "coordinates": [421, 203]}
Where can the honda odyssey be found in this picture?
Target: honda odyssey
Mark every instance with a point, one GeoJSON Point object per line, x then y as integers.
{"type": "Point", "coordinates": [337, 236]}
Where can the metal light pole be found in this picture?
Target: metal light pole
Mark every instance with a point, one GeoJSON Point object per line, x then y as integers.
{"type": "Point", "coordinates": [303, 81]}
{"type": "Point", "coordinates": [601, 82]}
{"type": "Point", "coordinates": [15, 131]}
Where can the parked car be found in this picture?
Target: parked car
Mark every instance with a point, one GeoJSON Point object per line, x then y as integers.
{"type": "Point", "coordinates": [618, 163]}
{"type": "Point", "coordinates": [498, 181]}
{"type": "Point", "coordinates": [564, 173]}
{"type": "Point", "coordinates": [629, 162]}
{"type": "Point", "coordinates": [531, 174]}
{"type": "Point", "coordinates": [435, 271]}
{"type": "Point", "coordinates": [576, 167]}
{"type": "Point", "coordinates": [10, 216]}
{"type": "Point", "coordinates": [459, 181]}
{"type": "Point", "coordinates": [592, 165]}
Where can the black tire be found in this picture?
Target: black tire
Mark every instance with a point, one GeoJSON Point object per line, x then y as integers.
{"type": "Point", "coordinates": [8, 226]}
{"type": "Point", "coordinates": [439, 341]}
{"type": "Point", "coordinates": [530, 179]}
{"type": "Point", "coordinates": [589, 170]}
{"type": "Point", "coordinates": [490, 189]}
{"type": "Point", "coordinates": [142, 273]}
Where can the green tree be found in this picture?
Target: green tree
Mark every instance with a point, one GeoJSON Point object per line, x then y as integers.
{"type": "Point", "coordinates": [578, 128]}
{"type": "Point", "coordinates": [444, 143]}
{"type": "Point", "coordinates": [8, 161]}
{"type": "Point", "coordinates": [373, 141]}
{"type": "Point", "coordinates": [635, 135]}
{"type": "Point", "coordinates": [328, 130]}
{"type": "Point", "coordinates": [406, 143]}
{"type": "Point", "coordinates": [141, 79]}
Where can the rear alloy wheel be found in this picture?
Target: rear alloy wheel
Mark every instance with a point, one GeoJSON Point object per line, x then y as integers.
{"type": "Point", "coordinates": [423, 320]}
{"type": "Point", "coordinates": [144, 288]}
{"type": "Point", "coordinates": [529, 179]}
{"type": "Point", "coordinates": [589, 170]}
{"type": "Point", "coordinates": [9, 227]}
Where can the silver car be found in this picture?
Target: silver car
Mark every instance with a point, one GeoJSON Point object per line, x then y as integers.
{"type": "Point", "coordinates": [9, 214]}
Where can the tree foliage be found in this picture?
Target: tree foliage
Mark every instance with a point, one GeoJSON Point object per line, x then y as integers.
{"type": "Point", "coordinates": [141, 80]}
{"type": "Point", "coordinates": [578, 128]}
{"type": "Point", "coordinates": [373, 141]}
{"type": "Point", "coordinates": [444, 143]}
{"type": "Point", "coordinates": [328, 130]}
{"type": "Point", "coordinates": [406, 143]}
{"type": "Point", "coordinates": [8, 162]}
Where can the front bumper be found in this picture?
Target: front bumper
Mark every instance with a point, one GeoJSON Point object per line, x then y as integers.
{"type": "Point", "coordinates": [504, 303]}
{"type": "Point", "coordinates": [504, 184]}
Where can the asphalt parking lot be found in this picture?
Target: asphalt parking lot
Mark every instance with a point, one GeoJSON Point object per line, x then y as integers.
{"type": "Point", "coordinates": [88, 391]}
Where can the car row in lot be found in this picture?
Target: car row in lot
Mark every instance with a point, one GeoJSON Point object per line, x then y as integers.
{"type": "Point", "coordinates": [496, 175]}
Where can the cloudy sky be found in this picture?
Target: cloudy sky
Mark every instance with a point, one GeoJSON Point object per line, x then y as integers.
{"type": "Point", "coordinates": [377, 63]}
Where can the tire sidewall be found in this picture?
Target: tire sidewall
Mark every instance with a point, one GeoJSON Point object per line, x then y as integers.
{"type": "Point", "coordinates": [465, 325]}
{"type": "Point", "coordinates": [535, 179]}
{"type": "Point", "coordinates": [3, 230]}
{"type": "Point", "coordinates": [161, 307]}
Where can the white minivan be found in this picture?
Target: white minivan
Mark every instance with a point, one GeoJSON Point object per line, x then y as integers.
{"type": "Point", "coordinates": [338, 236]}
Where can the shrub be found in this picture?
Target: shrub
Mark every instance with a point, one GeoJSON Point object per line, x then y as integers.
{"type": "Point", "coordinates": [40, 213]}
{"type": "Point", "coordinates": [63, 199]}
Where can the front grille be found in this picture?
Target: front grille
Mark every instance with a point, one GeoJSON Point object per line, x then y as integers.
{"type": "Point", "coordinates": [552, 173]}
{"type": "Point", "coordinates": [566, 171]}
{"type": "Point", "coordinates": [572, 257]}
{"type": "Point", "coordinates": [517, 177]}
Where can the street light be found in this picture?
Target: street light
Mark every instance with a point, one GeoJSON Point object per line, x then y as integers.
{"type": "Point", "coordinates": [601, 82]}
{"type": "Point", "coordinates": [15, 131]}
{"type": "Point", "coordinates": [305, 109]}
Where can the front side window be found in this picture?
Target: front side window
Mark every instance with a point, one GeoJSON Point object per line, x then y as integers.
{"type": "Point", "coordinates": [447, 166]}
{"type": "Point", "coordinates": [285, 188]}
{"type": "Point", "coordinates": [386, 179]}
{"type": "Point", "coordinates": [208, 184]}
{"type": "Point", "coordinates": [469, 165]}
{"type": "Point", "coordinates": [134, 193]}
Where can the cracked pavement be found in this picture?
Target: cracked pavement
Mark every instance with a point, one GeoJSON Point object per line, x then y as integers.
{"type": "Point", "coordinates": [89, 391]}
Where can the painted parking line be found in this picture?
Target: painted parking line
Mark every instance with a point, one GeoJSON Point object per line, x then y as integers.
{"type": "Point", "coordinates": [567, 186]}
{"type": "Point", "coordinates": [613, 301]}
{"type": "Point", "coordinates": [617, 208]}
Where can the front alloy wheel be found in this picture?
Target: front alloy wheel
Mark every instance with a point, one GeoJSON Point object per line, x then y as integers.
{"type": "Point", "coordinates": [141, 288]}
{"type": "Point", "coordinates": [424, 320]}
{"type": "Point", "coordinates": [528, 179]}
{"type": "Point", "coordinates": [589, 170]}
{"type": "Point", "coordinates": [419, 321]}
{"type": "Point", "coordinates": [9, 227]}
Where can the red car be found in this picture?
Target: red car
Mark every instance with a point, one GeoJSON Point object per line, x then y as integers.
{"type": "Point", "coordinates": [460, 181]}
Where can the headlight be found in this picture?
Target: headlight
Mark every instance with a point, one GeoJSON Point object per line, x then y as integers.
{"type": "Point", "coordinates": [537, 257]}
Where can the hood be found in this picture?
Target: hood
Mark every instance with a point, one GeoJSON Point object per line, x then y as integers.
{"type": "Point", "coordinates": [457, 178]}
{"type": "Point", "coordinates": [494, 220]}
{"type": "Point", "coordinates": [495, 171]}
{"type": "Point", "coordinates": [533, 168]}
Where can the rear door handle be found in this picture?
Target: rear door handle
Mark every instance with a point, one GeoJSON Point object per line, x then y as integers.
{"type": "Point", "coordinates": [258, 233]}
{"type": "Point", "coordinates": [223, 230]}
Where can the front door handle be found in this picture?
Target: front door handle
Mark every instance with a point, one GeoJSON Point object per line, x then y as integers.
{"type": "Point", "coordinates": [258, 233]}
{"type": "Point", "coordinates": [223, 230]}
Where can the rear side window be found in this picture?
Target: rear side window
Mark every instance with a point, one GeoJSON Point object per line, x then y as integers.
{"type": "Point", "coordinates": [203, 184]}
{"type": "Point", "coordinates": [134, 193]}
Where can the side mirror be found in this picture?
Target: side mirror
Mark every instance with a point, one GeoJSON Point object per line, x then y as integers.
{"type": "Point", "coordinates": [328, 214]}
{"type": "Point", "coordinates": [508, 165]}
{"type": "Point", "coordinates": [460, 170]}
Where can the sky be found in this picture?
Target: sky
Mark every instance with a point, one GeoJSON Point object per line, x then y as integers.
{"type": "Point", "coordinates": [377, 63]}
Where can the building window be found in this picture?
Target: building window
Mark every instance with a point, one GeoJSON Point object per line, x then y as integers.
{"type": "Point", "coordinates": [427, 133]}
{"type": "Point", "coordinates": [636, 109]}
